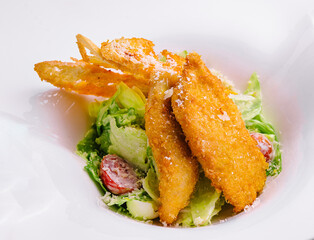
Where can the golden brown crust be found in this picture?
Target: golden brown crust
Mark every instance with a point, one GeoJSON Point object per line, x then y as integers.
{"type": "Point", "coordinates": [136, 56]}
{"type": "Point", "coordinates": [178, 169]}
{"type": "Point", "coordinates": [172, 67]}
{"type": "Point", "coordinates": [86, 78]}
{"type": "Point", "coordinates": [217, 136]}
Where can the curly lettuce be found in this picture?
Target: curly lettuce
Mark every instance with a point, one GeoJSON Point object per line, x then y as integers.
{"type": "Point", "coordinates": [250, 106]}
{"type": "Point", "coordinates": [118, 129]}
{"type": "Point", "coordinates": [205, 203]}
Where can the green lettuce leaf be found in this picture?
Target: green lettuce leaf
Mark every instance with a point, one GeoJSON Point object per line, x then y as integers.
{"type": "Point", "coordinates": [205, 203]}
{"type": "Point", "coordinates": [185, 218]}
{"type": "Point", "coordinates": [126, 106]}
{"type": "Point", "coordinates": [250, 106]}
{"type": "Point", "coordinates": [88, 149]}
{"type": "Point", "coordinates": [151, 184]}
{"type": "Point", "coordinates": [254, 88]}
{"type": "Point", "coordinates": [128, 98]}
{"type": "Point", "coordinates": [123, 116]}
{"type": "Point", "coordinates": [88, 144]}
{"type": "Point", "coordinates": [92, 168]}
{"type": "Point", "coordinates": [152, 161]}
{"type": "Point", "coordinates": [143, 210]}
{"type": "Point", "coordinates": [130, 143]}
{"type": "Point", "coordinates": [249, 103]}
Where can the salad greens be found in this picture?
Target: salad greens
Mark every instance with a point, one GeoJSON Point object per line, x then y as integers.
{"type": "Point", "coordinates": [130, 143]}
{"type": "Point", "coordinates": [142, 210]}
{"type": "Point", "coordinates": [119, 129]}
{"type": "Point", "coordinates": [205, 203]}
{"type": "Point", "coordinates": [250, 105]}
{"type": "Point", "coordinates": [151, 183]}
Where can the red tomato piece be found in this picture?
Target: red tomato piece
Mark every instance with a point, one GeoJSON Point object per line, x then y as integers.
{"type": "Point", "coordinates": [264, 145]}
{"type": "Point", "coordinates": [117, 175]}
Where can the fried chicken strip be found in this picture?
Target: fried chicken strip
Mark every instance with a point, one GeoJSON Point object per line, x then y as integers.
{"type": "Point", "coordinates": [85, 78]}
{"type": "Point", "coordinates": [178, 169]}
{"type": "Point", "coordinates": [136, 56]}
{"type": "Point", "coordinates": [217, 135]}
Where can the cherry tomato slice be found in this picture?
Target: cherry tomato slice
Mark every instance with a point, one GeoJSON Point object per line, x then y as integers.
{"type": "Point", "coordinates": [264, 145]}
{"type": "Point", "coordinates": [117, 175]}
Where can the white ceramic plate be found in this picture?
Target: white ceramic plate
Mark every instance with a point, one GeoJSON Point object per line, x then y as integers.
{"type": "Point", "coordinates": [44, 191]}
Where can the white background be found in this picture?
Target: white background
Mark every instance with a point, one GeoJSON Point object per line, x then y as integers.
{"type": "Point", "coordinates": [44, 191]}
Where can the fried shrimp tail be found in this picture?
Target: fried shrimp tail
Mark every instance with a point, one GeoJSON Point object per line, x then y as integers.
{"type": "Point", "coordinates": [178, 169]}
{"type": "Point", "coordinates": [85, 78]}
{"type": "Point", "coordinates": [216, 134]}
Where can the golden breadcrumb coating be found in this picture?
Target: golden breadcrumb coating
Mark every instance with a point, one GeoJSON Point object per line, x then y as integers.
{"type": "Point", "coordinates": [217, 136]}
{"type": "Point", "coordinates": [136, 56]}
{"type": "Point", "coordinates": [85, 78]}
{"type": "Point", "coordinates": [178, 169]}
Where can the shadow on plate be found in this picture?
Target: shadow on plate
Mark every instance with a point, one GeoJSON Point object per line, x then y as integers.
{"type": "Point", "coordinates": [61, 116]}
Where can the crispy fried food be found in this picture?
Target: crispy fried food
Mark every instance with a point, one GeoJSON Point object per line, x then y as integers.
{"type": "Point", "coordinates": [86, 78]}
{"type": "Point", "coordinates": [172, 67]}
{"type": "Point", "coordinates": [84, 42]}
{"type": "Point", "coordinates": [96, 58]}
{"type": "Point", "coordinates": [217, 135]}
{"type": "Point", "coordinates": [136, 56]}
{"type": "Point", "coordinates": [178, 169]}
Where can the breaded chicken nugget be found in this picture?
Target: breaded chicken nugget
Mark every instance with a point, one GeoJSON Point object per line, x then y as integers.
{"type": "Point", "coordinates": [217, 135]}
{"type": "Point", "coordinates": [86, 78]}
{"type": "Point", "coordinates": [178, 169]}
